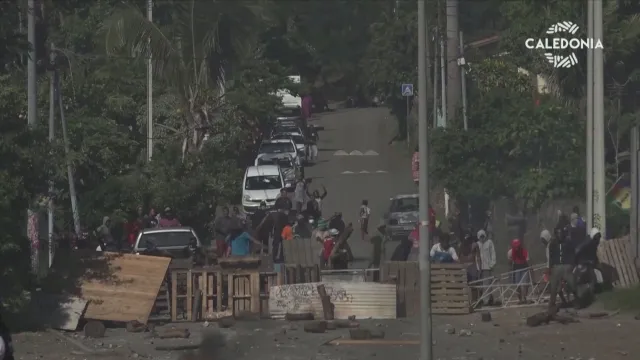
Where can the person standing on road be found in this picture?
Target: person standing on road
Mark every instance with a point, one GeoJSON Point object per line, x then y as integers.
{"type": "Point", "coordinates": [561, 262]}
{"type": "Point", "coordinates": [299, 194]}
{"type": "Point", "coordinates": [487, 262]}
{"type": "Point", "coordinates": [415, 166]}
{"type": "Point", "coordinates": [168, 219]}
{"type": "Point", "coordinates": [151, 219]}
{"type": "Point", "coordinates": [519, 258]}
{"type": "Point", "coordinates": [282, 201]}
{"type": "Point", "coordinates": [275, 222]}
{"type": "Point", "coordinates": [365, 214]}
{"type": "Point", "coordinates": [313, 143]}
{"type": "Point", "coordinates": [305, 109]}
{"type": "Point", "coordinates": [579, 219]}
{"type": "Point", "coordinates": [317, 197]}
{"type": "Point", "coordinates": [238, 215]}
{"type": "Point", "coordinates": [105, 238]}
{"type": "Point", "coordinates": [443, 252]}
{"type": "Point", "coordinates": [221, 227]}
{"type": "Point", "coordinates": [414, 238]}
{"type": "Point", "coordinates": [240, 241]}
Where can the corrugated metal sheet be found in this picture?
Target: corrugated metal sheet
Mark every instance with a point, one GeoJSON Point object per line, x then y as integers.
{"type": "Point", "coordinates": [362, 299]}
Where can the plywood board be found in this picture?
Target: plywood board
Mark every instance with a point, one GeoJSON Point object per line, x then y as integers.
{"type": "Point", "coordinates": [59, 311]}
{"type": "Point", "coordinates": [130, 292]}
{"type": "Point", "coordinates": [119, 287]}
{"type": "Point", "coordinates": [364, 300]}
{"type": "Point", "coordinates": [301, 251]}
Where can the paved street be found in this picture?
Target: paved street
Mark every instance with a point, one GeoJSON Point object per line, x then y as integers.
{"type": "Point", "coordinates": [455, 338]}
{"type": "Point", "coordinates": [352, 178]}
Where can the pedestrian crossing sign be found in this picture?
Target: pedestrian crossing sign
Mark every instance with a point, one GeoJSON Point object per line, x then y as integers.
{"type": "Point", "coordinates": [407, 89]}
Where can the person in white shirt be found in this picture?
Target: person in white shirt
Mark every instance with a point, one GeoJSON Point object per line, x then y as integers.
{"type": "Point", "coordinates": [443, 252]}
{"type": "Point", "coordinates": [487, 262]}
{"type": "Point", "coordinates": [365, 213]}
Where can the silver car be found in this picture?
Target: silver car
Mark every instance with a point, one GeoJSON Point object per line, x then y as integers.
{"type": "Point", "coordinates": [402, 216]}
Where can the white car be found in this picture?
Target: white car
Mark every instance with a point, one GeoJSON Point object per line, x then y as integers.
{"type": "Point", "coordinates": [281, 146]}
{"type": "Point", "coordinates": [286, 163]}
{"type": "Point", "coordinates": [297, 138]}
{"type": "Point", "coordinates": [261, 183]}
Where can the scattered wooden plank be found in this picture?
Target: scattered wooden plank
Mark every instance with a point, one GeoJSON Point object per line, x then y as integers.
{"type": "Point", "coordinates": [327, 306]}
{"type": "Point", "coordinates": [373, 342]}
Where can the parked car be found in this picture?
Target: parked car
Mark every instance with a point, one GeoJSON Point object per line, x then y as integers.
{"type": "Point", "coordinates": [298, 140]}
{"type": "Point", "coordinates": [280, 146]}
{"type": "Point", "coordinates": [402, 215]}
{"type": "Point", "coordinates": [261, 183]}
{"type": "Point", "coordinates": [175, 242]}
{"type": "Point", "coordinates": [286, 163]}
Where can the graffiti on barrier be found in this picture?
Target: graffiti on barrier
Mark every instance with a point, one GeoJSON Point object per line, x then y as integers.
{"type": "Point", "coordinates": [299, 297]}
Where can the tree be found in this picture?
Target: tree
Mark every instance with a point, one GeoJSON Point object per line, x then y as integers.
{"type": "Point", "coordinates": [514, 149]}
{"type": "Point", "coordinates": [191, 52]}
{"type": "Point", "coordinates": [391, 59]}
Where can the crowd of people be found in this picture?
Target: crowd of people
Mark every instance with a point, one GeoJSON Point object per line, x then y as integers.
{"type": "Point", "coordinates": [564, 245]}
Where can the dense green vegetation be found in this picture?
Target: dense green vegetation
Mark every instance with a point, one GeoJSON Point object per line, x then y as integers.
{"type": "Point", "coordinates": [513, 149]}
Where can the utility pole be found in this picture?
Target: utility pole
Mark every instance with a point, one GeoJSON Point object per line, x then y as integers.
{"type": "Point", "coordinates": [70, 176]}
{"type": "Point", "coordinates": [462, 62]}
{"type": "Point", "coordinates": [599, 197]}
{"type": "Point", "coordinates": [436, 71]}
{"type": "Point", "coordinates": [426, 342]}
{"type": "Point", "coordinates": [149, 88]}
{"type": "Point", "coordinates": [52, 132]}
{"type": "Point", "coordinates": [589, 118]}
{"type": "Point", "coordinates": [32, 90]}
{"type": "Point", "coordinates": [453, 73]}
{"type": "Point", "coordinates": [635, 195]}
{"type": "Point", "coordinates": [443, 83]}
{"type": "Point", "coordinates": [32, 103]}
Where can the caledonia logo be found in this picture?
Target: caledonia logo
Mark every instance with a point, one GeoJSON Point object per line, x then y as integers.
{"type": "Point", "coordinates": [554, 45]}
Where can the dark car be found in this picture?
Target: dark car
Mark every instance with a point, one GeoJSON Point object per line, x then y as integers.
{"type": "Point", "coordinates": [402, 216]}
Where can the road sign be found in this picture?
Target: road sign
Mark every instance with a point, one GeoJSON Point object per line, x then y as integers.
{"type": "Point", "coordinates": [407, 89]}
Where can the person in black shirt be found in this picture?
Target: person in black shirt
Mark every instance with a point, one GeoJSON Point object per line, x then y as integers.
{"type": "Point", "coordinates": [561, 263]}
{"type": "Point", "coordinates": [274, 223]}
{"type": "Point", "coordinates": [256, 219]}
{"type": "Point", "coordinates": [283, 202]}
{"type": "Point", "coordinates": [312, 211]}
{"type": "Point", "coordinates": [313, 143]}
{"type": "Point", "coordinates": [337, 223]}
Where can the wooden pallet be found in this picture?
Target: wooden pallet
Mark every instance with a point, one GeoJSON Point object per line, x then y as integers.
{"type": "Point", "coordinates": [236, 291]}
{"type": "Point", "coordinates": [229, 290]}
{"type": "Point", "coordinates": [450, 292]}
{"type": "Point", "coordinates": [617, 262]}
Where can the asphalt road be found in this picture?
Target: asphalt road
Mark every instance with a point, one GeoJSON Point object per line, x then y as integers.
{"type": "Point", "coordinates": [380, 172]}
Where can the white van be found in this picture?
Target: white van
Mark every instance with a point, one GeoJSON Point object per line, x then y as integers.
{"type": "Point", "coordinates": [261, 183]}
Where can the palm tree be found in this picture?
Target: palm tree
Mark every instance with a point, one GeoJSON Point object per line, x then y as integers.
{"type": "Point", "coordinates": [191, 52]}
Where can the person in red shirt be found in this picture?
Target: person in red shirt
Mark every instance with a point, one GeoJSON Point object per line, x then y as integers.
{"type": "Point", "coordinates": [168, 219]}
{"type": "Point", "coordinates": [415, 166]}
{"type": "Point", "coordinates": [328, 244]}
{"type": "Point", "coordinates": [519, 258]}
